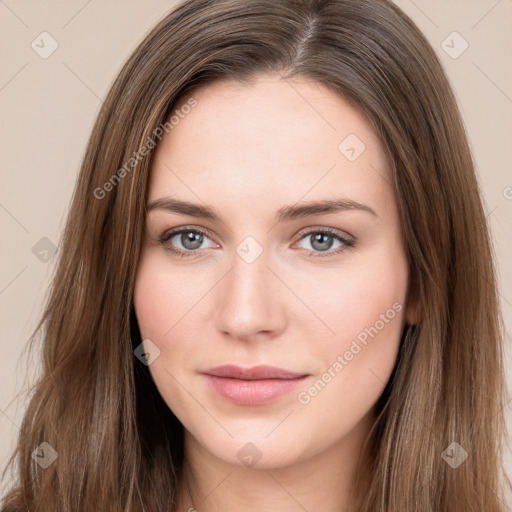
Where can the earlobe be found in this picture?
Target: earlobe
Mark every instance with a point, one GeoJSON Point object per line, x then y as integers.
{"type": "Point", "coordinates": [412, 313]}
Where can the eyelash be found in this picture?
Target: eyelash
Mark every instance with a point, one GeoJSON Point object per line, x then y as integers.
{"type": "Point", "coordinates": [168, 235]}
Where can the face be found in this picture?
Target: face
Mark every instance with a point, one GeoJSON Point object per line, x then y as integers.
{"type": "Point", "coordinates": [298, 264]}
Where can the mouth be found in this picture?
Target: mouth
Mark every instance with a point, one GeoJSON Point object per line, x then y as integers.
{"type": "Point", "coordinates": [257, 385]}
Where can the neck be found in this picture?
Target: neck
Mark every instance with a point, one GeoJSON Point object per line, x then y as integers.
{"type": "Point", "coordinates": [324, 481]}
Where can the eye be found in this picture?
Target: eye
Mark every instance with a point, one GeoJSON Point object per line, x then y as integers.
{"type": "Point", "coordinates": [189, 238]}
{"type": "Point", "coordinates": [321, 240]}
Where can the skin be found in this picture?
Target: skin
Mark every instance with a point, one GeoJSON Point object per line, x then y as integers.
{"type": "Point", "coordinates": [248, 151]}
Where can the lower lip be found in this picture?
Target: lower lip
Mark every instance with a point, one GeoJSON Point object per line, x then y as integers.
{"type": "Point", "coordinates": [253, 392]}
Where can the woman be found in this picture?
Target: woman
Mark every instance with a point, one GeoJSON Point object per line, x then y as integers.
{"type": "Point", "coordinates": [275, 288]}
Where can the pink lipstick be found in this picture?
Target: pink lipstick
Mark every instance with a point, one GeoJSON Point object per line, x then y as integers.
{"type": "Point", "coordinates": [257, 385]}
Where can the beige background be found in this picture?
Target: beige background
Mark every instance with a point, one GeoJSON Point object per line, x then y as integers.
{"type": "Point", "coordinates": [48, 106]}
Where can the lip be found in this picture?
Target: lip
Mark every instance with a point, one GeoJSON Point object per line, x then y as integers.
{"type": "Point", "coordinates": [257, 385]}
{"type": "Point", "coordinates": [254, 373]}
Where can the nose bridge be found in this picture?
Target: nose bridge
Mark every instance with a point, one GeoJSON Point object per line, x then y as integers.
{"type": "Point", "coordinates": [249, 299]}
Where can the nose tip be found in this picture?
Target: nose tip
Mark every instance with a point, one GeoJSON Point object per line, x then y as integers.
{"type": "Point", "coordinates": [248, 302]}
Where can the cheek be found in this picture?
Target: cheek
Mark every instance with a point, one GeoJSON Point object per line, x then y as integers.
{"type": "Point", "coordinates": [162, 298]}
{"type": "Point", "coordinates": [169, 303]}
{"type": "Point", "coordinates": [354, 376]}
{"type": "Point", "coordinates": [161, 312]}
{"type": "Point", "coordinates": [353, 297]}
{"type": "Point", "coordinates": [367, 316]}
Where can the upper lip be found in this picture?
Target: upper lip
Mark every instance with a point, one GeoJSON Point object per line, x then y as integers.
{"type": "Point", "coordinates": [254, 373]}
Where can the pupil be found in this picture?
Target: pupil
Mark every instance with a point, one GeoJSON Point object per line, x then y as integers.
{"type": "Point", "coordinates": [321, 241]}
{"type": "Point", "coordinates": [191, 240]}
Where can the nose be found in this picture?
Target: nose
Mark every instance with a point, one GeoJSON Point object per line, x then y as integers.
{"type": "Point", "coordinates": [250, 302]}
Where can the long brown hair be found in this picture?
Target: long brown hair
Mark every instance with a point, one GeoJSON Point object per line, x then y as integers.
{"type": "Point", "coordinates": [119, 446]}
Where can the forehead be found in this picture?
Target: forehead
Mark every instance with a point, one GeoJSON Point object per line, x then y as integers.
{"type": "Point", "coordinates": [252, 141]}
{"type": "Point", "coordinates": [280, 113]}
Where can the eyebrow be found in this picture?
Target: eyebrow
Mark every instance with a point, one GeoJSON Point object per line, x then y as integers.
{"type": "Point", "coordinates": [284, 214]}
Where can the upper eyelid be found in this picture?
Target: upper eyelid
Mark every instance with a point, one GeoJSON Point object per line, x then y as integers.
{"type": "Point", "coordinates": [334, 231]}
{"type": "Point", "coordinates": [176, 231]}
